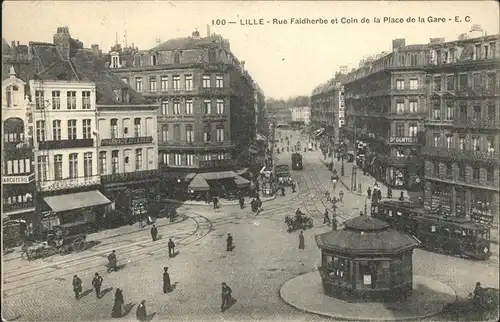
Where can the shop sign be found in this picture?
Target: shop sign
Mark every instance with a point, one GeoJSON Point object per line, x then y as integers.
{"type": "Point", "coordinates": [127, 141]}
{"type": "Point", "coordinates": [404, 139]}
{"type": "Point", "coordinates": [16, 180]}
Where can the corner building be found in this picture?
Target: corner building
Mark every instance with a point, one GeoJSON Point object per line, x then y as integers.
{"type": "Point", "coordinates": [206, 118]}
{"type": "Point", "coordinates": [462, 127]}
{"type": "Point", "coordinates": [386, 104]}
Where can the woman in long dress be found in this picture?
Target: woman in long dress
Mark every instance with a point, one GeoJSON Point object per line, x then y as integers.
{"type": "Point", "coordinates": [117, 307]}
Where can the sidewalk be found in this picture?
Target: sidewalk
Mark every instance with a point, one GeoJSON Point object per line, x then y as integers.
{"type": "Point", "coordinates": [222, 202]}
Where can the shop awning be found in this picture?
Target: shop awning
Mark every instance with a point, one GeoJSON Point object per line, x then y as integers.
{"type": "Point", "coordinates": [219, 175]}
{"type": "Point", "coordinates": [198, 184]}
{"type": "Point", "coordinates": [178, 175]}
{"type": "Point", "coordinates": [241, 171]}
{"type": "Point", "coordinates": [77, 200]}
{"type": "Point", "coordinates": [261, 137]}
{"type": "Point", "coordinates": [241, 182]}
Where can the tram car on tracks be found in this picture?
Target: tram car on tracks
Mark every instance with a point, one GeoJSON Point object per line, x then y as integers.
{"type": "Point", "coordinates": [296, 161]}
{"type": "Point", "coordinates": [438, 233]}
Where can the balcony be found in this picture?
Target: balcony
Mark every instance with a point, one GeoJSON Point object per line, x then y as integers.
{"type": "Point", "coordinates": [170, 91]}
{"type": "Point", "coordinates": [462, 155]}
{"type": "Point", "coordinates": [127, 141]}
{"type": "Point", "coordinates": [215, 90]}
{"type": "Point", "coordinates": [19, 206]}
{"type": "Point", "coordinates": [403, 140]}
{"type": "Point", "coordinates": [65, 144]}
{"type": "Point", "coordinates": [18, 145]}
{"type": "Point", "coordinates": [476, 123]}
{"type": "Point", "coordinates": [190, 146]}
{"type": "Point", "coordinates": [130, 176]}
{"type": "Point", "coordinates": [479, 91]}
{"type": "Point", "coordinates": [213, 164]}
{"type": "Point", "coordinates": [69, 183]}
{"type": "Point", "coordinates": [18, 179]}
{"type": "Point", "coordinates": [215, 117]}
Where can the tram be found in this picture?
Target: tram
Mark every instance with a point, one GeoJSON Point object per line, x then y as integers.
{"type": "Point", "coordinates": [296, 161]}
{"type": "Point", "coordinates": [443, 234]}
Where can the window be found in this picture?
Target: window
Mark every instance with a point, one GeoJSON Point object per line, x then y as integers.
{"type": "Point", "coordinates": [42, 167]}
{"type": "Point", "coordinates": [73, 165]}
{"type": "Point", "coordinates": [115, 61]}
{"type": "Point", "coordinates": [189, 106]}
{"type": "Point", "coordinates": [413, 60]}
{"type": "Point", "coordinates": [475, 173]}
{"type": "Point", "coordinates": [177, 107]}
{"type": "Point", "coordinates": [449, 141]}
{"type": "Point", "coordinates": [475, 144]}
{"type": "Point", "coordinates": [152, 60]}
{"type": "Point", "coordinates": [137, 60]}
{"type": "Point", "coordinates": [17, 166]}
{"type": "Point", "coordinates": [207, 134]}
{"type": "Point", "coordinates": [220, 106]}
{"type": "Point", "coordinates": [462, 81]}
{"type": "Point", "coordinates": [400, 129]}
{"type": "Point", "coordinates": [219, 81]}
{"type": "Point", "coordinates": [189, 133]}
{"type": "Point", "coordinates": [188, 82]}
{"type": "Point", "coordinates": [11, 95]}
{"type": "Point", "coordinates": [56, 100]}
{"type": "Point", "coordinates": [177, 159]}
{"type": "Point", "coordinates": [413, 106]}
{"type": "Point", "coordinates": [413, 128]}
{"type": "Point", "coordinates": [450, 109]}
{"type": "Point", "coordinates": [86, 128]}
{"type": "Point", "coordinates": [177, 133]}
{"type": "Point", "coordinates": [87, 164]}
{"type": "Point", "coordinates": [476, 81]}
{"type": "Point", "coordinates": [103, 162]}
{"type": "Point", "coordinates": [86, 104]}
{"type": "Point", "coordinates": [71, 129]}
{"type": "Point", "coordinates": [452, 55]}
{"type": "Point", "coordinates": [164, 83]}
{"type": "Point", "coordinates": [492, 80]}
{"type": "Point", "coordinates": [491, 112]}
{"type": "Point", "coordinates": [190, 159]}
{"type": "Point", "coordinates": [436, 140]}
{"type": "Point", "coordinates": [207, 107]}
{"type": "Point", "coordinates": [152, 83]}
{"type": "Point", "coordinates": [400, 84]}
{"type": "Point", "coordinates": [40, 131]}
{"type": "Point", "coordinates": [58, 163]}
{"type": "Point", "coordinates": [490, 174]}
{"type": "Point", "coordinates": [164, 107]}
{"type": "Point", "coordinates": [138, 159]}
{"type": "Point", "coordinates": [115, 162]}
{"type": "Point", "coordinates": [220, 134]}
{"type": "Point", "coordinates": [206, 81]}
{"type": "Point", "coordinates": [449, 170]}
{"type": "Point", "coordinates": [437, 83]}
{"type": "Point", "coordinates": [220, 156]}
{"type": "Point", "coordinates": [413, 83]}
{"type": "Point", "coordinates": [114, 128]}
{"type": "Point", "coordinates": [164, 133]}
{"type": "Point", "coordinates": [436, 111]}
{"type": "Point", "coordinates": [477, 52]}
{"type": "Point", "coordinates": [39, 100]}
{"type": "Point", "coordinates": [450, 82]}
{"type": "Point", "coordinates": [177, 58]}
{"type": "Point", "coordinates": [137, 127]}
{"type": "Point", "coordinates": [71, 99]}
{"type": "Point", "coordinates": [492, 49]}
{"type": "Point", "coordinates": [490, 143]}
{"type": "Point", "coordinates": [400, 107]}
{"type": "Point", "coordinates": [211, 56]}
{"type": "Point", "coordinates": [56, 130]}
{"type": "Point", "coordinates": [461, 171]}
{"type": "Point", "coordinates": [446, 57]}
{"type": "Point", "coordinates": [207, 157]}
{"type": "Point", "coordinates": [477, 111]}
{"type": "Point", "coordinates": [176, 82]}
{"type": "Point", "coordinates": [138, 84]}
{"type": "Point", "coordinates": [461, 143]}
{"type": "Point", "coordinates": [463, 110]}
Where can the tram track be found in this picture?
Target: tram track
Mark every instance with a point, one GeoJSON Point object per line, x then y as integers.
{"type": "Point", "coordinates": [37, 276]}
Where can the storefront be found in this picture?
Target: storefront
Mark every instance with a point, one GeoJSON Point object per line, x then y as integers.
{"type": "Point", "coordinates": [175, 185]}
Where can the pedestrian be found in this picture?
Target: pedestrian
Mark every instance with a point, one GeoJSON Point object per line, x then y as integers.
{"type": "Point", "coordinates": [166, 280]}
{"type": "Point", "coordinates": [341, 195]}
{"type": "Point", "coordinates": [282, 191]}
{"type": "Point", "coordinates": [215, 202]}
{"type": "Point", "coordinates": [141, 314]}
{"type": "Point", "coordinates": [96, 283]}
{"type": "Point", "coordinates": [326, 218]}
{"type": "Point", "coordinates": [402, 196]}
{"type": "Point", "coordinates": [242, 202]}
{"type": "Point", "coordinates": [112, 262]}
{"type": "Point", "coordinates": [334, 222]}
{"type": "Point", "coordinates": [229, 242]}
{"type": "Point", "coordinates": [361, 213]}
{"type": "Point", "coordinates": [293, 186]}
{"type": "Point", "coordinates": [389, 192]}
{"type": "Point", "coordinates": [154, 232]}
{"type": "Point", "coordinates": [379, 194]}
{"type": "Point", "coordinates": [117, 311]}
{"type": "Point", "coordinates": [171, 248]}
{"type": "Point", "coordinates": [226, 297]}
{"type": "Point", "coordinates": [369, 192]}
{"type": "Point", "coordinates": [301, 240]}
{"type": "Point", "coordinates": [374, 196]}
{"type": "Point", "coordinates": [77, 286]}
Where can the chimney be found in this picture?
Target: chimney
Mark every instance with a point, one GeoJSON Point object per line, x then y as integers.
{"type": "Point", "coordinates": [196, 34]}
{"type": "Point", "coordinates": [18, 43]}
{"type": "Point", "coordinates": [13, 43]}
{"type": "Point", "coordinates": [398, 43]}
{"type": "Point", "coordinates": [62, 41]}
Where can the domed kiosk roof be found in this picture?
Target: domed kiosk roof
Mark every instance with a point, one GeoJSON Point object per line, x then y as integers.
{"type": "Point", "coordinates": [365, 235]}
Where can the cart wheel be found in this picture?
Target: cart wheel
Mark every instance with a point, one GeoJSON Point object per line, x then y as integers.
{"type": "Point", "coordinates": [79, 244]}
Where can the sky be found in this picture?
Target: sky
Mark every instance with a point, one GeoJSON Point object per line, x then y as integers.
{"type": "Point", "coordinates": [284, 59]}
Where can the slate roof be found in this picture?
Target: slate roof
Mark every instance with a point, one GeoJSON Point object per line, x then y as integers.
{"type": "Point", "coordinates": [414, 47]}
{"type": "Point", "coordinates": [184, 43]}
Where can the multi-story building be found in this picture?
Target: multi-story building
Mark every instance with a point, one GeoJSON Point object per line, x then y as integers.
{"type": "Point", "coordinates": [462, 126]}
{"type": "Point", "coordinates": [325, 102]}
{"type": "Point", "coordinates": [385, 106]}
{"type": "Point", "coordinates": [301, 114]}
{"type": "Point", "coordinates": [206, 119]}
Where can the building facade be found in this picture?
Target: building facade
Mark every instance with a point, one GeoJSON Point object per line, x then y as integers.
{"type": "Point", "coordinates": [385, 107]}
{"type": "Point", "coordinates": [301, 114]}
{"type": "Point", "coordinates": [206, 119]}
{"type": "Point", "coordinates": [462, 126]}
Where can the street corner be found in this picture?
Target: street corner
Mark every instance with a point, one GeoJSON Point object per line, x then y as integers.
{"type": "Point", "coordinates": [429, 298]}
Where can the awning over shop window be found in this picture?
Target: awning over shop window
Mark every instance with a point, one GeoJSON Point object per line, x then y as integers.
{"type": "Point", "coordinates": [77, 200]}
{"type": "Point", "coordinates": [219, 175]}
{"type": "Point", "coordinates": [241, 171]}
{"type": "Point", "coordinates": [198, 184]}
{"type": "Point", "coordinates": [241, 182]}
{"type": "Point", "coordinates": [178, 175]}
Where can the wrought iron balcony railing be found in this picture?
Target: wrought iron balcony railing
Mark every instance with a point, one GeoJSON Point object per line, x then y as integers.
{"type": "Point", "coordinates": [69, 183]}
{"type": "Point", "coordinates": [65, 144]}
{"type": "Point", "coordinates": [196, 145]}
{"type": "Point", "coordinates": [127, 141]}
{"type": "Point", "coordinates": [130, 176]}
{"type": "Point", "coordinates": [459, 154]}
{"type": "Point", "coordinates": [19, 145]}
{"type": "Point", "coordinates": [476, 122]}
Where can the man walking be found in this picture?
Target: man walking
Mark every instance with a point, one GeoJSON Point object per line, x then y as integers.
{"type": "Point", "coordinates": [96, 283]}
{"type": "Point", "coordinates": [341, 195]}
{"type": "Point", "coordinates": [171, 248]}
{"type": "Point", "coordinates": [226, 297]}
{"type": "Point", "coordinates": [154, 232]}
{"type": "Point", "coordinates": [302, 244]}
{"type": "Point", "coordinates": [77, 286]}
{"type": "Point", "coordinates": [166, 280]}
{"type": "Point", "coordinates": [369, 192]}
{"type": "Point", "coordinates": [326, 218]}
{"type": "Point", "coordinates": [229, 242]}
{"type": "Point", "coordinates": [293, 186]}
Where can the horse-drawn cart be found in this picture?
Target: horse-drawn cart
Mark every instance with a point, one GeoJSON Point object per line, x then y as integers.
{"type": "Point", "coordinates": [299, 222]}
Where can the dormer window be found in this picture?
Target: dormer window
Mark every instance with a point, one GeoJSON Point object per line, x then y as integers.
{"type": "Point", "coordinates": [12, 95]}
{"type": "Point", "coordinates": [177, 58]}
{"type": "Point", "coordinates": [152, 60]}
{"type": "Point", "coordinates": [115, 60]}
{"type": "Point", "coordinates": [125, 96]}
{"type": "Point", "coordinates": [137, 60]}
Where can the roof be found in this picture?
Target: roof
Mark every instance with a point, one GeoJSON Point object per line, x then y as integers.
{"type": "Point", "coordinates": [414, 47]}
{"type": "Point", "coordinates": [366, 235]}
{"type": "Point", "coordinates": [5, 47]}
{"type": "Point", "coordinates": [185, 43]}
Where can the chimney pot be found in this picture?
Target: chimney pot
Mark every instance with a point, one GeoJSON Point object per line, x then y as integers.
{"type": "Point", "coordinates": [13, 43]}
{"type": "Point", "coordinates": [18, 43]}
